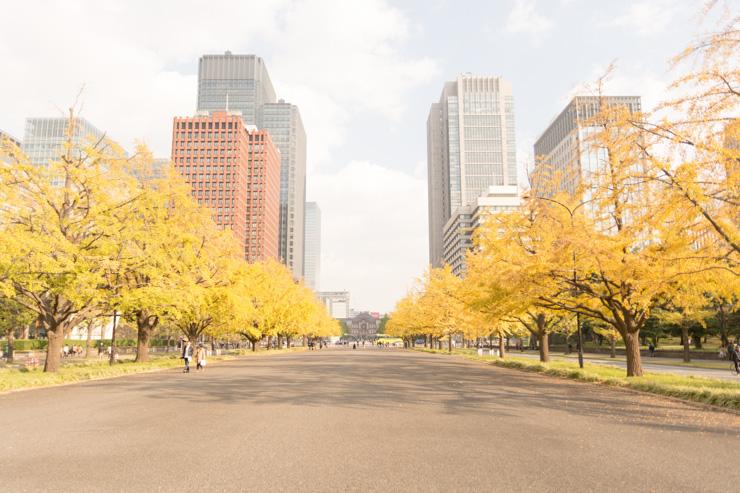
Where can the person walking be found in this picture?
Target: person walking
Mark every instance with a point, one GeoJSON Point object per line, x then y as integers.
{"type": "Point", "coordinates": [732, 354]}
{"type": "Point", "coordinates": [187, 354]}
{"type": "Point", "coordinates": [200, 357]}
{"type": "Point", "coordinates": [651, 349]}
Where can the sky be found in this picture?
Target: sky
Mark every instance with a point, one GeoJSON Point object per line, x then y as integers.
{"type": "Point", "coordinates": [362, 72]}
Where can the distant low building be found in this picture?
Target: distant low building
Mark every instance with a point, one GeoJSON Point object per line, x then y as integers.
{"type": "Point", "coordinates": [460, 227]}
{"type": "Point", "coordinates": [363, 326]}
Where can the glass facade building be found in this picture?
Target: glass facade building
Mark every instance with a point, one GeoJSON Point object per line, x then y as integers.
{"type": "Point", "coordinates": [563, 155]}
{"type": "Point", "coordinates": [234, 82]}
{"type": "Point", "coordinates": [283, 121]}
{"type": "Point", "coordinates": [312, 256]}
{"type": "Point", "coordinates": [471, 146]}
{"type": "Point", "coordinates": [44, 137]}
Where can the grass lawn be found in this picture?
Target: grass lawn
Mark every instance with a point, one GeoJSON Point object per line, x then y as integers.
{"type": "Point", "coordinates": [92, 369]}
{"type": "Point", "coordinates": [716, 392]}
{"type": "Point", "coordinates": [708, 364]}
{"type": "Point", "coordinates": [665, 344]}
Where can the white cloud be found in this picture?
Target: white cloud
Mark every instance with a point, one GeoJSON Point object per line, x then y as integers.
{"type": "Point", "coordinates": [330, 57]}
{"type": "Point", "coordinates": [648, 17]}
{"type": "Point", "coordinates": [344, 64]}
{"type": "Point", "coordinates": [524, 19]}
{"type": "Point", "coordinates": [336, 60]}
{"type": "Point", "coordinates": [374, 241]}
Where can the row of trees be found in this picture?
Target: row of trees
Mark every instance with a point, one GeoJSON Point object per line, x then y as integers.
{"type": "Point", "coordinates": [651, 230]}
{"type": "Point", "coordinates": [95, 233]}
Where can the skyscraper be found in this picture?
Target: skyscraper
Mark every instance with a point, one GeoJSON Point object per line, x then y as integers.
{"type": "Point", "coordinates": [242, 83]}
{"type": "Point", "coordinates": [312, 263]}
{"type": "Point", "coordinates": [234, 82]}
{"type": "Point", "coordinates": [283, 121]}
{"type": "Point", "coordinates": [470, 147]}
{"type": "Point", "coordinates": [563, 147]}
{"type": "Point", "coordinates": [235, 171]}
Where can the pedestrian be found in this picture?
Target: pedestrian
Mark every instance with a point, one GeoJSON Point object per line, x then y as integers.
{"type": "Point", "coordinates": [200, 357]}
{"type": "Point", "coordinates": [651, 349]}
{"type": "Point", "coordinates": [187, 354]}
{"type": "Point", "coordinates": [734, 356]}
{"type": "Point", "coordinates": [730, 351]}
{"type": "Point", "coordinates": [722, 351]}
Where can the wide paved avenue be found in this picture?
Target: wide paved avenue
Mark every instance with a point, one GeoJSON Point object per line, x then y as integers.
{"type": "Point", "coordinates": [365, 420]}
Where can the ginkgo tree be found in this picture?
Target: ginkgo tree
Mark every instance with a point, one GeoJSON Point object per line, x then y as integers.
{"type": "Point", "coordinates": [505, 282]}
{"type": "Point", "coordinates": [61, 225]}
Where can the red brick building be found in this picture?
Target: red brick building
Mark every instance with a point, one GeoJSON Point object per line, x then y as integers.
{"type": "Point", "coordinates": [235, 171]}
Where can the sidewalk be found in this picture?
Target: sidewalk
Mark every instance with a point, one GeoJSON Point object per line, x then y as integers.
{"type": "Point", "coordinates": [704, 368]}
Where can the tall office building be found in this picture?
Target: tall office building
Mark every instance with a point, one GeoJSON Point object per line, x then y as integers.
{"type": "Point", "coordinates": [242, 83]}
{"type": "Point", "coordinates": [312, 263]}
{"type": "Point", "coordinates": [283, 121]}
{"type": "Point", "coordinates": [44, 137]}
{"type": "Point", "coordinates": [234, 82]}
{"type": "Point", "coordinates": [470, 147]}
{"type": "Point", "coordinates": [562, 153]}
{"type": "Point", "coordinates": [235, 171]}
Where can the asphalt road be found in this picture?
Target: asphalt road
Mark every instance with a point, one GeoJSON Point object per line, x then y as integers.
{"type": "Point", "coordinates": [365, 420]}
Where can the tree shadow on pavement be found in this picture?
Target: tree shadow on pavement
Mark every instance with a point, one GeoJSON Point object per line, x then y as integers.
{"type": "Point", "coordinates": [386, 379]}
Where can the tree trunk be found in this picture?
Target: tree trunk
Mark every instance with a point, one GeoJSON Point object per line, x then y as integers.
{"type": "Point", "coordinates": [145, 324]}
{"type": "Point", "coordinates": [501, 347]}
{"type": "Point", "coordinates": [287, 339]}
{"type": "Point", "coordinates": [269, 342]}
{"type": "Point", "coordinates": [685, 340]}
{"type": "Point", "coordinates": [612, 347]}
{"type": "Point", "coordinates": [88, 341]}
{"type": "Point", "coordinates": [55, 336]}
{"type": "Point", "coordinates": [142, 345]}
{"type": "Point", "coordinates": [449, 343]}
{"type": "Point", "coordinates": [632, 350]}
{"type": "Point", "coordinates": [544, 338]}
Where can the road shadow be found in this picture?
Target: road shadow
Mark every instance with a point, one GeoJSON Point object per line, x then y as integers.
{"type": "Point", "coordinates": [375, 379]}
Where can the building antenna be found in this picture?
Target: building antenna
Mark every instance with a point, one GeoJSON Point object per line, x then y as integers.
{"type": "Point", "coordinates": [227, 101]}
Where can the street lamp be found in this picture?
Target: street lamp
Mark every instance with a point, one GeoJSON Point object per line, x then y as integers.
{"type": "Point", "coordinates": [572, 212]}
{"type": "Point", "coordinates": [112, 356]}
